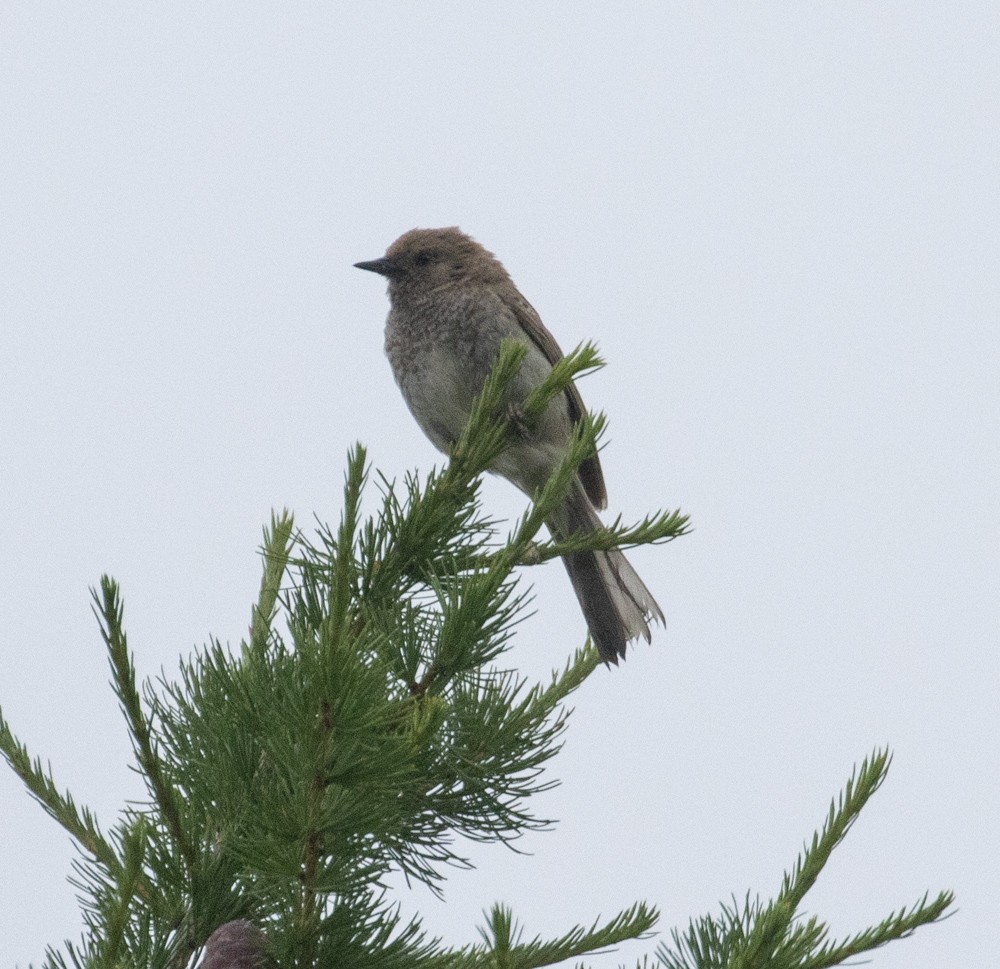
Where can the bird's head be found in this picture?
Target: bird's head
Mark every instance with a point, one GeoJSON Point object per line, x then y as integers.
{"type": "Point", "coordinates": [423, 260]}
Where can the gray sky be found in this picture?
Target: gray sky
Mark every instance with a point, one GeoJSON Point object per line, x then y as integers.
{"type": "Point", "coordinates": [780, 223]}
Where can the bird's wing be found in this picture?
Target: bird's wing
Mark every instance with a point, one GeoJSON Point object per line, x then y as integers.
{"type": "Point", "coordinates": [591, 475]}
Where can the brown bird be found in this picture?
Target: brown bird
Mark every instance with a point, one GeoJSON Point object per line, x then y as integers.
{"type": "Point", "coordinates": [451, 305]}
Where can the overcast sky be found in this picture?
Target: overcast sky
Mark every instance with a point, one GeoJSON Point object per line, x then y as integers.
{"type": "Point", "coordinates": [780, 223]}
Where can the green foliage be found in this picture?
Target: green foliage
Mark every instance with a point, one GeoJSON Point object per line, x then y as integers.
{"type": "Point", "coordinates": [362, 728]}
{"type": "Point", "coordinates": [775, 935]}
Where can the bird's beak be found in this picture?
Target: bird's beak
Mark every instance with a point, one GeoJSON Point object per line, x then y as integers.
{"type": "Point", "coordinates": [381, 266]}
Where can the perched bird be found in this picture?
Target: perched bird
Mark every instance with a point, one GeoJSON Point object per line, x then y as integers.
{"type": "Point", "coordinates": [452, 303]}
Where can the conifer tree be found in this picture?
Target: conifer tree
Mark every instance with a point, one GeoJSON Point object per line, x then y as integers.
{"type": "Point", "coordinates": [364, 727]}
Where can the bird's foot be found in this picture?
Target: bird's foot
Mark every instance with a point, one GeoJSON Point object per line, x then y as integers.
{"type": "Point", "coordinates": [517, 421]}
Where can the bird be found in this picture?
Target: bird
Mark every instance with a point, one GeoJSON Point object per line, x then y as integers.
{"type": "Point", "coordinates": [452, 303]}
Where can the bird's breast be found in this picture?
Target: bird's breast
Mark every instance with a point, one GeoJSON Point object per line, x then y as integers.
{"type": "Point", "coordinates": [435, 374]}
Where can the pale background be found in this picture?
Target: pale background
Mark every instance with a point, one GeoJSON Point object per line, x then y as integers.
{"type": "Point", "coordinates": [781, 226]}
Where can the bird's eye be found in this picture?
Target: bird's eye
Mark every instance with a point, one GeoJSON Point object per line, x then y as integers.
{"type": "Point", "coordinates": [423, 258]}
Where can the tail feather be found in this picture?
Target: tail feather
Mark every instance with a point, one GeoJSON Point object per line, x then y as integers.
{"type": "Point", "coordinates": [615, 601]}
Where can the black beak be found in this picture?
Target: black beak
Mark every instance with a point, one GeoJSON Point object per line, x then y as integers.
{"type": "Point", "coordinates": [381, 266]}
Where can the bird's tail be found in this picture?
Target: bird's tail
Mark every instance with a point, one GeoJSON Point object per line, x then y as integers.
{"type": "Point", "coordinates": [615, 601]}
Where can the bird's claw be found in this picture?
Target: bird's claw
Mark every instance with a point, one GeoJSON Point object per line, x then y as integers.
{"type": "Point", "coordinates": [517, 421]}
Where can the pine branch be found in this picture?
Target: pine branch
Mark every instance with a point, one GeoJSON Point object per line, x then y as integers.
{"type": "Point", "coordinates": [79, 822]}
{"type": "Point", "coordinates": [343, 588]}
{"type": "Point", "coordinates": [584, 443]}
{"type": "Point", "coordinates": [895, 926]}
{"type": "Point", "coordinates": [844, 811]}
{"type": "Point", "coordinates": [275, 550]}
{"type": "Point", "coordinates": [657, 529]}
{"type": "Point", "coordinates": [775, 935]}
{"type": "Point", "coordinates": [487, 433]}
{"type": "Point", "coordinates": [505, 950]}
{"type": "Point", "coordinates": [127, 888]}
{"type": "Point", "coordinates": [582, 360]}
{"type": "Point", "coordinates": [583, 662]}
{"type": "Point", "coordinates": [109, 611]}
{"type": "Point", "coordinates": [546, 502]}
